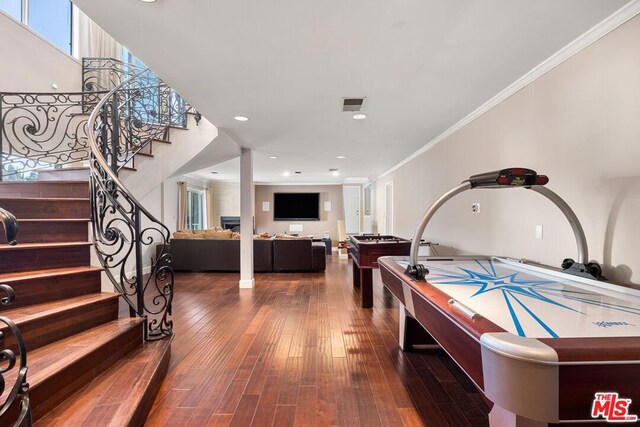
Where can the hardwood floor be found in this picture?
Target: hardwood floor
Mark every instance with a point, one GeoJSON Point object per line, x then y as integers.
{"type": "Point", "coordinates": [298, 350]}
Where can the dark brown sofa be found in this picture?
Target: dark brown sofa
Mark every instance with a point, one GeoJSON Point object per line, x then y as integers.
{"type": "Point", "coordinates": [224, 255]}
{"type": "Point", "coordinates": [298, 255]}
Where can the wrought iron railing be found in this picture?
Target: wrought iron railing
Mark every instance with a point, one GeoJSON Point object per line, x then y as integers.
{"type": "Point", "coordinates": [123, 230]}
{"type": "Point", "coordinates": [41, 131]}
{"type": "Point", "coordinates": [13, 365]}
{"type": "Point", "coordinates": [103, 74]}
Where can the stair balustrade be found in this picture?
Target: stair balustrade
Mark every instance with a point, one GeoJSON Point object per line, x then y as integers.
{"type": "Point", "coordinates": [19, 391]}
{"type": "Point", "coordinates": [48, 130]}
{"type": "Point", "coordinates": [129, 108]}
{"type": "Point", "coordinates": [123, 230]}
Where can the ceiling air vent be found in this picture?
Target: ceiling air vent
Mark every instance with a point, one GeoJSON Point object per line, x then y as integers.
{"type": "Point", "coordinates": [352, 104]}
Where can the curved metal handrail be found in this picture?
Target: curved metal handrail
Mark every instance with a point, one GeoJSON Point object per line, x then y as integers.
{"type": "Point", "coordinates": [528, 180]}
{"type": "Point", "coordinates": [117, 220]}
{"type": "Point", "coordinates": [20, 389]}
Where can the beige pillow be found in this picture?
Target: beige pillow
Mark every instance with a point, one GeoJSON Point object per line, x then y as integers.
{"type": "Point", "coordinates": [235, 236]}
{"type": "Point", "coordinates": [186, 230]}
{"type": "Point", "coordinates": [181, 235]}
{"type": "Point", "coordinates": [218, 235]}
{"type": "Point", "coordinates": [199, 231]}
{"type": "Point", "coordinates": [262, 236]}
{"type": "Point", "coordinates": [191, 236]}
{"type": "Point", "coordinates": [288, 237]}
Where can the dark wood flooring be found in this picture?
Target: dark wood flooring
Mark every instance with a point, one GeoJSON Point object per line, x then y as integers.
{"type": "Point", "coordinates": [297, 350]}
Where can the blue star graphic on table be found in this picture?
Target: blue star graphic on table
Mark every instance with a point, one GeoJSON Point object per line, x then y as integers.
{"type": "Point", "coordinates": [516, 290]}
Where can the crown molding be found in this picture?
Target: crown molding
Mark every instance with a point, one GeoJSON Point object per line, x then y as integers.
{"type": "Point", "coordinates": [592, 35]}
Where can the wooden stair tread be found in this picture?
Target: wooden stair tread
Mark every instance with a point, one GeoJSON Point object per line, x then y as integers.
{"type": "Point", "coordinates": [29, 313]}
{"type": "Point", "coordinates": [21, 220]}
{"type": "Point", "coordinates": [27, 246]}
{"type": "Point", "coordinates": [7, 278]}
{"type": "Point", "coordinates": [45, 199]}
{"type": "Point", "coordinates": [140, 153]}
{"type": "Point", "coordinates": [36, 183]}
{"type": "Point", "coordinates": [45, 361]}
{"type": "Point", "coordinates": [113, 398]}
{"type": "Point", "coordinates": [164, 141]}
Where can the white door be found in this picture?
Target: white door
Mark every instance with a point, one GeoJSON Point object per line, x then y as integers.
{"type": "Point", "coordinates": [388, 202]}
{"type": "Point", "coordinates": [351, 196]}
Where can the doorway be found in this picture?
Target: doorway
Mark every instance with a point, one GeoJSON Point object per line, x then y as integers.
{"type": "Point", "coordinates": [388, 202]}
{"type": "Point", "coordinates": [351, 195]}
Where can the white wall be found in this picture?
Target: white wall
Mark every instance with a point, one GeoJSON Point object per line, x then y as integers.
{"type": "Point", "coordinates": [169, 158]}
{"type": "Point", "coordinates": [32, 64]}
{"type": "Point", "coordinates": [328, 220]}
{"type": "Point", "coordinates": [580, 125]}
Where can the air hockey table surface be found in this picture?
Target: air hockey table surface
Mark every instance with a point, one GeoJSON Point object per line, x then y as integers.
{"type": "Point", "coordinates": [537, 341]}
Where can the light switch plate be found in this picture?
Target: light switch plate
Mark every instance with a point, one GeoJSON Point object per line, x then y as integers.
{"type": "Point", "coordinates": [265, 206]}
{"type": "Point", "coordinates": [539, 232]}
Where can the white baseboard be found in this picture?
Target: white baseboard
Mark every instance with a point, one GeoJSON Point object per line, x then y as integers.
{"type": "Point", "coordinates": [247, 283]}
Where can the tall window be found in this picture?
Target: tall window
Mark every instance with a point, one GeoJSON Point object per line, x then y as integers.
{"type": "Point", "coordinates": [52, 20]}
{"type": "Point", "coordinates": [49, 18]}
{"type": "Point", "coordinates": [196, 218]}
{"type": "Point", "coordinates": [12, 8]}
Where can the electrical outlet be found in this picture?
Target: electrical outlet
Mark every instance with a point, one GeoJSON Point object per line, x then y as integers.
{"type": "Point", "coordinates": [539, 232]}
{"type": "Point", "coordinates": [475, 208]}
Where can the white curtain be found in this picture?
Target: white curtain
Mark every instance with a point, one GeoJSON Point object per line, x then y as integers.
{"type": "Point", "coordinates": [209, 203]}
{"type": "Point", "coordinates": [182, 205]}
{"type": "Point", "coordinates": [94, 42]}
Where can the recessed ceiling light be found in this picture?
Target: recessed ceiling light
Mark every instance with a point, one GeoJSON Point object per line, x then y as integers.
{"type": "Point", "coordinates": [341, 157]}
{"type": "Point", "coordinates": [148, 1]}
{"type": "Point", "coordinates": [298, 172]}
{"type": "Point", "coordinates": [359, 116]}
{"type": "Point", "coordinates": [241, 118]}
{"type": "Point", "coordinates": [215, 173]}
{"type": "Point", "coordinates": [286, 173]}
{"type": "Point", "coordinates": [335, 173]}
{"type": "Point", "coordinates": [273, 157]}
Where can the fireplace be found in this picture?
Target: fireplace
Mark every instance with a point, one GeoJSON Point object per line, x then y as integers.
{"type": "Point", "coordinates": [230, 223]}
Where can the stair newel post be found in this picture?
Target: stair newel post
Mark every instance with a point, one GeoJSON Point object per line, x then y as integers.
{"type": "Point", "coordinates": [115, 133]}
{"type": "Point", "coordinates": [139, 270]}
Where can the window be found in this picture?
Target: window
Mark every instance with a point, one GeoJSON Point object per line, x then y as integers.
{"type": "Point", "coordinates": [196, 218]}
{"type": "Point", "coordinates": [49, 18]}
{"type": "Point", "coordinates": [52, 20]}
{"type": "Point", "coordinates": [12, 8]}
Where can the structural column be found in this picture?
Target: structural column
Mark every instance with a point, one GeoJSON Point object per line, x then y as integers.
{"type": "Point", "coordinates": [247, 201]}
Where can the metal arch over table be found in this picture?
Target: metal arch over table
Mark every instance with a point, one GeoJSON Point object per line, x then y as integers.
{"type": "Point", "coordinates": [509, 178]}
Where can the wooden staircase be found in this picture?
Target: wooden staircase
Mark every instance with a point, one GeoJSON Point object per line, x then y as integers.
{"type": "Point", "coordinates": [87, 365]}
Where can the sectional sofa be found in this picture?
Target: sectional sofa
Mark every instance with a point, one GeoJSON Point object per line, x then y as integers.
{"type": "Point", "coordinates": [269, 255]}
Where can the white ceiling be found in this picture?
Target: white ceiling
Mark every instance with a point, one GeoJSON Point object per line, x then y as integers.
{"type": "Point", "coordinates": [422, 64]}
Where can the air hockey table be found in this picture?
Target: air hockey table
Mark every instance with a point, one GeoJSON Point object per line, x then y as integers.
{"type": "Point", "coordinates": [545, 345]}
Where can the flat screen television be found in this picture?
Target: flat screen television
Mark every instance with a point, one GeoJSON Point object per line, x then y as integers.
{"type": "Point", "coordinates": [296, 206]}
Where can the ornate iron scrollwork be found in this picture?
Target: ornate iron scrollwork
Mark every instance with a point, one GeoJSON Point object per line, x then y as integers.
{"type": "Point", "coordinates": [14, 366]}
{"type": "Point", "coordinates": [42, 130]}
{"type": "Point", "coordinates": [123, 230]}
